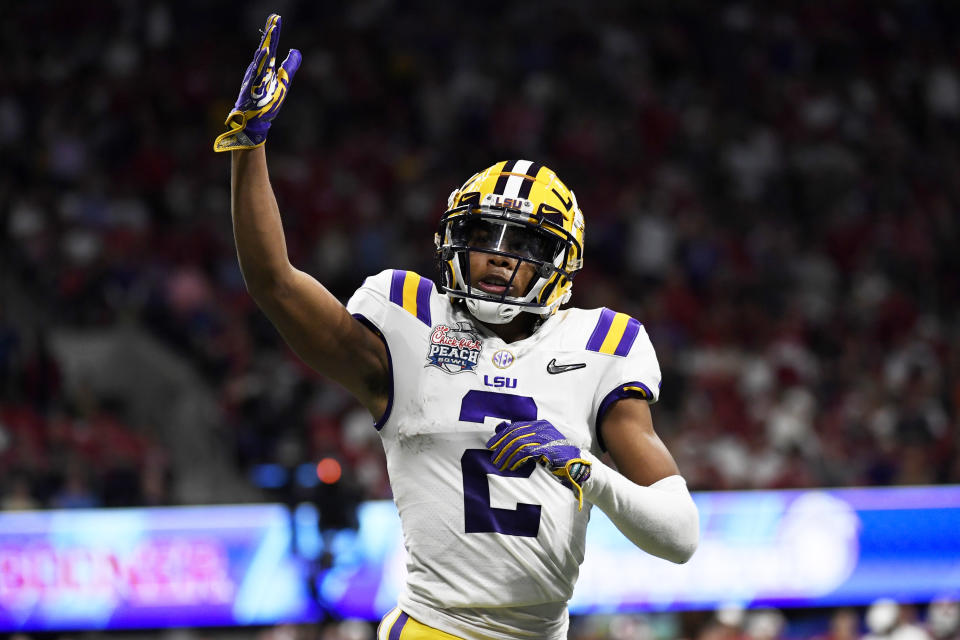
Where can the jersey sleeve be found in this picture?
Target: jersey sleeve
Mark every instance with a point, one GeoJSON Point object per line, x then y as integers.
{"type": "Point", "coordinates": [369, 302]}
{"type": "Point", "coordinates": [632, 370]}
{"type": "Point", "coordinates": [387, 293]}
{"type": "Point", "coordinates": [396, 306]}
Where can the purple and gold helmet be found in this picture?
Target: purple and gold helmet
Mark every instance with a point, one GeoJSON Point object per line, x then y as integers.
{"type": "Point", "coordinates": [518, 209]}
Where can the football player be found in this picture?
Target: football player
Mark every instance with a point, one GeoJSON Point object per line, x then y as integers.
{"type": "Point", "coordinates": [493, 404]}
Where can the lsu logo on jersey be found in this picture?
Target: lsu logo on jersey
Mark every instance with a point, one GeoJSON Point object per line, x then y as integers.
{"type": "Point", "coordinates": [454, 349]}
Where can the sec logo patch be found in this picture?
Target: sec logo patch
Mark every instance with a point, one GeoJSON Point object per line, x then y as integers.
{"type": "Point", "coordinates": [502, 359]}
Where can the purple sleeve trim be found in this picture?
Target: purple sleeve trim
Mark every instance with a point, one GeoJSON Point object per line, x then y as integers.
{"type": "Point", "coordinates": [397, 627]}
{"type": "Point", "coordinates": [629, 337]}
{"type": "Point", "coordinates": [372, 327]}
{"type": "Point", "coordinates": [600, 331]}
{"type": "Point", "coordinates": [423, 300]}
{"type": "Point", "coordinates": [619, 393]}
{"type": "Point", "coordinates": [396, 286]}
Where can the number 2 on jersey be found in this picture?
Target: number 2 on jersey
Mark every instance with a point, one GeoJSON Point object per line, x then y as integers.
{"type": "Point", "coordinates": [476, 464]}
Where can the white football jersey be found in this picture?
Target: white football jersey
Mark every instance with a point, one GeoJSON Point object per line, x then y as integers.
{"type": "Point", "coordinates": [492, 554]}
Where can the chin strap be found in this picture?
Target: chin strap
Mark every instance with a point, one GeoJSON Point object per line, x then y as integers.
{"type": "Point", "coordinates": [479, 309]}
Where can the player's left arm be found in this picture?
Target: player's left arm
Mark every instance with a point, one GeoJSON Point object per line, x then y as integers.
{"type": "Point", "coordinates": [633, 445]}
{"type": "Point", "coordinates": [645, 497]}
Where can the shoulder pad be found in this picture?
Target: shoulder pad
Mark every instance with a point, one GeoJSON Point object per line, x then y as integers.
{"type": "Point", "coordinates": [614, 333]}
{"type": "Point", "coordinates": [412, 292]}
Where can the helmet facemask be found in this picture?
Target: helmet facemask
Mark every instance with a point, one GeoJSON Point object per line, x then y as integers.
{"type": "Point", "coordinates": [501, 231]}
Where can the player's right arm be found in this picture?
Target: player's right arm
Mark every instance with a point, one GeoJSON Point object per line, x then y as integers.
{"type": "Point", "coordinates": [311, 320]}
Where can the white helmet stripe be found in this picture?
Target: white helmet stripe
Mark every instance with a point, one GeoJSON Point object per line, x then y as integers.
{"type": "Point", "coordinates": [515, 182]}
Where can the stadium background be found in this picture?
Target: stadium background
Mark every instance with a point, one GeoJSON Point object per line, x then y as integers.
{"type": "Point", "coordinates": [772, 189]}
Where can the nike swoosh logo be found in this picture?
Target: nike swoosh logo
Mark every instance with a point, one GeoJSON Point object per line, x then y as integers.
{"type": "Point", "coordinates": [553, 367]}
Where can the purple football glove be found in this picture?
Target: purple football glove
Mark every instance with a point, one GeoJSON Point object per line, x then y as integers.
{"type": "Point", "coordinates": [261, 94]}
{"type": "Point", "coordinates": [513, 444]}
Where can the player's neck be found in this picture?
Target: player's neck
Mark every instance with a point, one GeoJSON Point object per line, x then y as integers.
{"type": "Point", "coordinates": [519, 328]}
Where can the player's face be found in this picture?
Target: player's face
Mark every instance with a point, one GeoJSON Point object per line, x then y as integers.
{"type": "Point", "coordinates": [491, 273]}
{"type": "Point", "coordinates": [491, 270]}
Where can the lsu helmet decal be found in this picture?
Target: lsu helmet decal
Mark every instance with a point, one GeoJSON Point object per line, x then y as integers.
{"type": "Point", "coordinates": [521, 210]}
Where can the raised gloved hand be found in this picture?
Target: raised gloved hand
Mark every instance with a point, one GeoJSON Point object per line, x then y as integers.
{"type": "Point", "coordinates": [261, 94]}
{"type": "Point", "coordinates": [515, 443]}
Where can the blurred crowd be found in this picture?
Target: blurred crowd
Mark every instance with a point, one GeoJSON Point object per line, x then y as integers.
{"type": "Point", "coordinates": [773, 192]}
